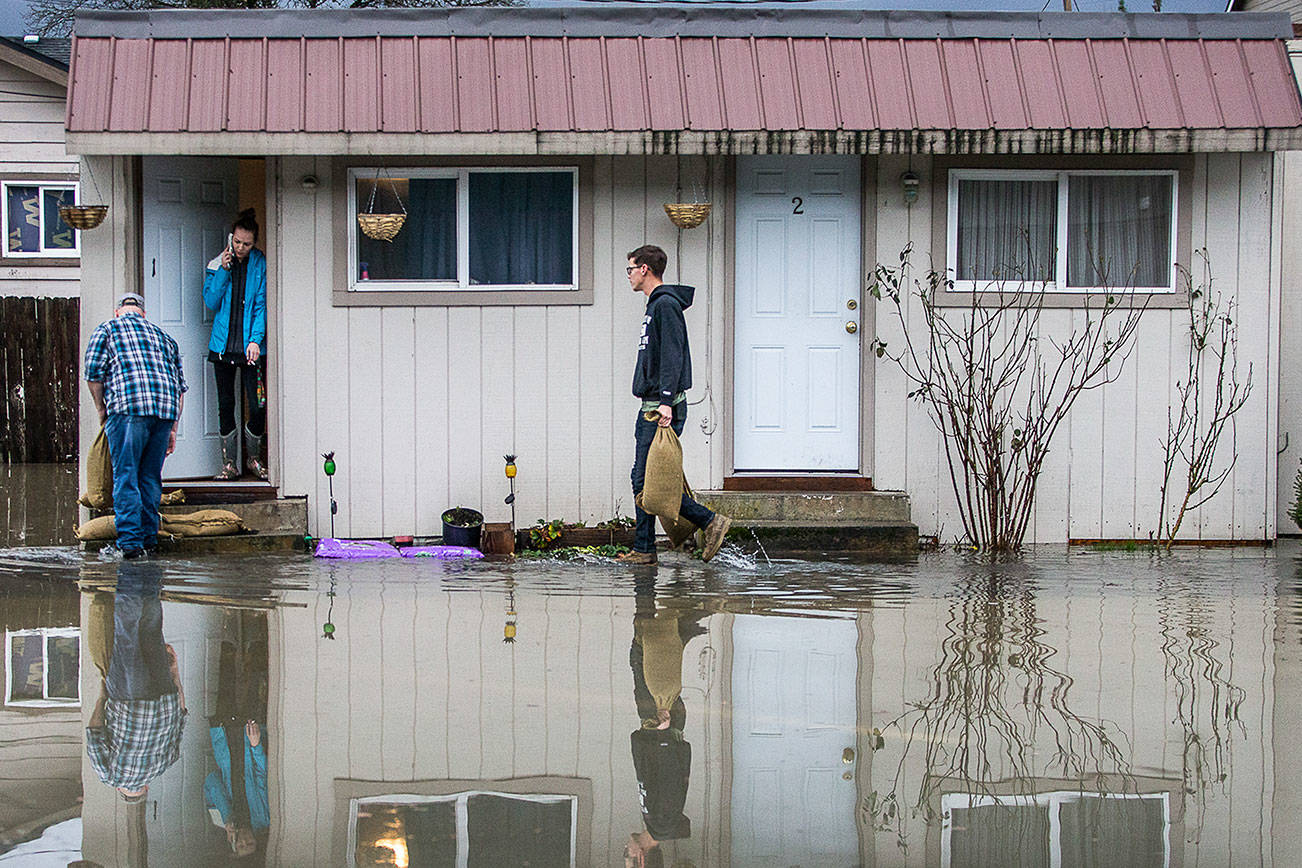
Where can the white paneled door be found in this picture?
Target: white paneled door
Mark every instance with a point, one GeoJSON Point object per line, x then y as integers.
{"type": "Point", "coordinates": [189, 204]}
{"type": "Point", "coordinates": [794, 712]}
{"type": "Point", "coordinates": [798, 312]}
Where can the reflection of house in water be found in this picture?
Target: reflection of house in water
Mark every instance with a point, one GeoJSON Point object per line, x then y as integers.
{"type": "Point", "coordinates": [1147, 727]}
{"type": "Point", "coordinates": [40, 721]}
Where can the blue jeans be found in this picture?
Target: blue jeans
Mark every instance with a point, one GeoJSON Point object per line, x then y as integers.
{"type": "Point", "coordinates": [137, 447]}
{"type": "Point", "coordinates": [139, 667]}
{"type": "Point", "coordinates": [643, 433]}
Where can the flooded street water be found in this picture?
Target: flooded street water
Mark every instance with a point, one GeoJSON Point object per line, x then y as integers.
{"type": "Point", "coordinates": [1073, 709]}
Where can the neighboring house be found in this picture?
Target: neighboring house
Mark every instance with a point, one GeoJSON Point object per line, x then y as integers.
{"type": "Point", "coordinates": [39, 260]}
{"type": "Point", "coordinates": [532, 148]}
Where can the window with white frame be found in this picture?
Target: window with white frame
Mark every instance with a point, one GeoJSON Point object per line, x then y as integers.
{"type": "Point", "coordinates": [32, 222]}
{"type": "Point", "coordinates": [43, 667]}
{"type": "Point", "coordinates": [1069, 231]}
{"type": "Point", "coordinates": [507, 228]}
{"type": "Point", "coordinates": [467, 829]}
{"type": "Point", "coordinates": [1056, 830]}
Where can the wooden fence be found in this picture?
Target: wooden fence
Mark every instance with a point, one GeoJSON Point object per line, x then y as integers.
{"type": "Point", "coordinates": [39, 370]}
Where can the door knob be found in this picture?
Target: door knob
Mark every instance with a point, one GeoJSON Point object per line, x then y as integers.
{"type": "Point", "coordinates": [852, 327]}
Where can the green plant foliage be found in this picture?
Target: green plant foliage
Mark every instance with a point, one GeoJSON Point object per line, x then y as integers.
{"type": "Point", "coordinates": [544, 533]}
{"type": "Point", "coordinates": [571, 553]}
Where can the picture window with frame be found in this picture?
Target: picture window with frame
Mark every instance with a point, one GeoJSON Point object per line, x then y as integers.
{"type": "Point", "coordinates": [32, 223]}
{"type": "Point", "coordinates": [467, 229]}
{"type": "Point", "coordinates": [43, 667]}
{"type": "Point", "coordinates": [1071, 231]}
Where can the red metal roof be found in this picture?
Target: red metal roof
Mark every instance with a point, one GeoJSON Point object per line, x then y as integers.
{"type": "Point", "coordinates": [590, 84]}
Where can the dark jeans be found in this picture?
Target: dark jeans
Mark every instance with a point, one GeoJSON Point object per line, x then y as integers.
{"type": "Point", "coordinates": [224, 373]}
{"type": "Point", "coordinates": [643, 433]}
{"type": "Point", "coordinates": [139, 667]}
{"type": "Point", "coordinates": [137, 447]}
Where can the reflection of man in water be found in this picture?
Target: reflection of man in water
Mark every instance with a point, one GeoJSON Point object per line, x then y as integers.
{"type": "Point", "coordinates": [662, 758]}
{"type": "Point", "coordinates": [236, 794]}
{"type": "Point", "coordinates": [135, 730]}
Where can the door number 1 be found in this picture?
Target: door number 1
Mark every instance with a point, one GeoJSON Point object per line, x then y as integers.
{"type": "Point", "coordinates": [798, 205]}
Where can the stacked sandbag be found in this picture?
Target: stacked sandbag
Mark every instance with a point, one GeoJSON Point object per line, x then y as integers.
{"type": "Point", "coordinates": [204, 522]}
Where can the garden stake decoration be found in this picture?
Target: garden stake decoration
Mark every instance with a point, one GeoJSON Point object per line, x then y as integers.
{"type": "Point", "coordinates": [329, 468]}
{"type": "Point", "coordinates": [328, 628]}
{"type": "Point", "coordinates": [508, 629]}
{"type": "Point", "coordinates": [510, 475]}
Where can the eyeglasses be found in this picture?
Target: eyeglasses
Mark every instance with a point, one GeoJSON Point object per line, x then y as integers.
{"type": "Point", "coordinates": [632, 268]}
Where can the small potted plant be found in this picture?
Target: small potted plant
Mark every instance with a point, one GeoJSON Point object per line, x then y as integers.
{"type": "Point", "coordinates": [462, 526]}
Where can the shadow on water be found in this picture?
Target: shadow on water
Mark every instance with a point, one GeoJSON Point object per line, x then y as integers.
{"type": "Point", "coordinates": [1075, 708]}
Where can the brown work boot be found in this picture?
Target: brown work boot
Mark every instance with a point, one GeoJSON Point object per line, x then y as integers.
{"type": "Point", "coordinates": [637, 558]}
{"type": "Point", "coordinates": [714, 532]}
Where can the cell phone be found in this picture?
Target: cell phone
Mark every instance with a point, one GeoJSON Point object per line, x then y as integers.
{"type": "Point", "coordinates": [230, 241]}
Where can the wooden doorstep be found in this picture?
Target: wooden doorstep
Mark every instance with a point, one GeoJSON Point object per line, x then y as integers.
{"type": "Point", "coordinates": [798, 483]}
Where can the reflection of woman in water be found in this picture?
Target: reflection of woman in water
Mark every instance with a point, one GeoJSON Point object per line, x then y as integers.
{"type": "Point", "coordinates": [236, 794]}
{"type": "Point", "coordinates": [662, 758]}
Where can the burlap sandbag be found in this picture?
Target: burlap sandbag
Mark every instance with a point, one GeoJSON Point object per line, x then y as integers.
{"type": "Point", "coordinates": [204, 522]}
{"type": "Point", "coordinates": [99, 475]}
{"type": "Point", "coordinates": [104, 527]}
{"type": "Point", "coordinates": [662, 492]}
{"type": "Point", "coordinates": [682, 529]}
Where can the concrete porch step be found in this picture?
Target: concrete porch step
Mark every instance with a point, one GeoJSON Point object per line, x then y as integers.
{"type": "Point", "coordinates": [865, 522]}
{"type": "Point", "coordinates": [275, 525]}
{"type": "Point", "coordinates": [849, 507]}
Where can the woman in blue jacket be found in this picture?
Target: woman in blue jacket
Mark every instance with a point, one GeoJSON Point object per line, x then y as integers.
{"type": "Point", "coordinates": [235, 287]}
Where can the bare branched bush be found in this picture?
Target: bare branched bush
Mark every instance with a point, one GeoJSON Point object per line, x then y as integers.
{"type": "Point", "coordinates": [1208, 397]}
{"type": "Point", "coordinates": [998, 389]}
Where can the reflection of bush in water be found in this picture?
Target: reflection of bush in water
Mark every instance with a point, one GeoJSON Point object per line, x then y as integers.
{"type": "Point", "coordinates": [994, 700]}
{"type": "Point", "coordinates": [1206, 702]}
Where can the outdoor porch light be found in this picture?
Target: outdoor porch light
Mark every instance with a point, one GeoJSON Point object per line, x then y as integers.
{"type": "Point", "coordinates": [309, 183]}
{"type": "Point", "coordinates": [910, 183]}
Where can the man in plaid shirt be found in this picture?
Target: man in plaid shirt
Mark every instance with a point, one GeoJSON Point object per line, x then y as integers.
{"type": "Point", "coordinates": [133, 371]}
{"type": "Point", "coordinates": [135, 730]}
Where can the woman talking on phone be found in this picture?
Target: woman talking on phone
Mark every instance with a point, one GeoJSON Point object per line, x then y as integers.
{"type": "Point", "coordinates": [235, 287]}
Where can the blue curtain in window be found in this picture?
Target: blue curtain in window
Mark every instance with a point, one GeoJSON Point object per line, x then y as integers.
{"type": "Point", "coordinates": [58, 235]}
{"type": "Point", "coordinates": [426, 248]}
{"type": "Point", "coordinates": [23, 210]}
{"type": "Point", "coordinates": [521, 227]}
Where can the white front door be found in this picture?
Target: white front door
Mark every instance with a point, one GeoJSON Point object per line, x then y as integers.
{"type": "Point", "coordinates": [796, 398]}
{"type": "Point", "coordinates": [794, 711]}
{"type": "Point", "coordinates": [189, 204]}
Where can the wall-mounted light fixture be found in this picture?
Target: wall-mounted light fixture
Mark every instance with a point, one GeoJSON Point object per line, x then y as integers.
{"type": "Point", "coordinates": [309, 183]}
{"type": "Point", "coordinates": [909, 183]}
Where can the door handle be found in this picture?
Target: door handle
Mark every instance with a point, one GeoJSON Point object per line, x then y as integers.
{"type": "Point", "coordinates": [153, 268]}
{"type": "Point", "coordinates": [852, 326]}
{"type": "Point", "coordinates": [851, 304]}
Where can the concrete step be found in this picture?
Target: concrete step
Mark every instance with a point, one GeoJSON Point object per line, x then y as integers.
{"type": "Point", "coordinates": [282, 516]}
{"type": "Point", "coordinates": [795, 507]}
{"type": "Point", "coordinates": [889, 539]}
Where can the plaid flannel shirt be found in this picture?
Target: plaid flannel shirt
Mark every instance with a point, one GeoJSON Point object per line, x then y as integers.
{"type": "Point", "coordinates": [139, 365]}
{"type": "Point", "coordinates": [140, 739]}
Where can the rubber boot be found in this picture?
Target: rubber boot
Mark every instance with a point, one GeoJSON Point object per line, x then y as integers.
{"type": "Point", "coordinates": [253, 454]}
{"type": "Point", "coordinates": [230, 467]}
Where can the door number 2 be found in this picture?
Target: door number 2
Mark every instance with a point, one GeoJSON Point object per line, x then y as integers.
{"type": "Point", "coordinates": [798, 205]}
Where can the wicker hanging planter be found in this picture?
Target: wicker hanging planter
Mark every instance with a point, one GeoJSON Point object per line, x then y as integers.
{"type": "Point", "coordinates": [687, 215]}
{"type": "Point", "coordinates": [382, 227]}
{"type": "Point", "coordinates": [83, 216]}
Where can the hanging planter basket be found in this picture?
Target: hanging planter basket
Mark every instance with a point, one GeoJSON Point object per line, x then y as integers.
{"type": "Point", "coordinates": [687, 215]}
{"type": "Point", "coordinates": [83, 216]}
{"type": "Point", "coordinates": [382, 227]}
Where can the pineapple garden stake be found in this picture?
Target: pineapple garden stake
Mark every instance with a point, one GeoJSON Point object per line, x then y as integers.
{"type": "Point", "coordinates": [510, 475]}
{"type": "Point", "coordinates": [329, 468]}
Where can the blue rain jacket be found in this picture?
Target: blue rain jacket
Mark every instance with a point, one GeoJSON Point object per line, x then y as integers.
{"type": "Point", "coordinates": [217, 787]}
{"type": "Point", "coordinates": [217, 296]}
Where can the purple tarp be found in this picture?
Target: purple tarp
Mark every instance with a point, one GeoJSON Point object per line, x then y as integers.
{"type": "Point", "coordinates": [354, 549]}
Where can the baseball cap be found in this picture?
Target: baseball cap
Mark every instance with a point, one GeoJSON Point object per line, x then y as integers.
{"type": "Point", "coordinates": [131, 298]}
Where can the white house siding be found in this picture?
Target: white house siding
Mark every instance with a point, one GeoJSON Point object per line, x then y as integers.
{"type": "Point", "coordinates": [1219, 823]}
{"type": "Point", "coordinates": [420, 403]}
{"type": "Point", "coordinates": [1102, 479]}
{"type": "Point", "coordinates": [32, 142]}
{"type": "Point", "coordinates": [421, 687]}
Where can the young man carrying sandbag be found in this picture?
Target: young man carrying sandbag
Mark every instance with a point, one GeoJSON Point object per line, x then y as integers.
{"type": "Point", "coordinates": [661, 379]}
